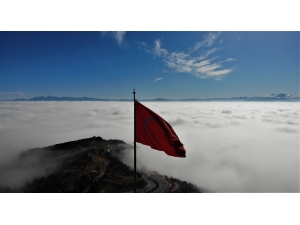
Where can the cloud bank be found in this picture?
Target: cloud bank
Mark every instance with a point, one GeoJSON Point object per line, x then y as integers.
{"type": "Point", "coordinates": [231, 146]}
{"type": "Point", "coordinates": [202, 66]}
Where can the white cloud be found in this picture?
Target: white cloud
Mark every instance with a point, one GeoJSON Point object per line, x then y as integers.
{"type": "Point", "coordinates": [158, 50]}
{"type": "Point", "coordinates": [203, 66]}
{"type": "Point", "coordinates": [208, 41]}
{"type": "Point", "coordinates": [197, 66]}
{"type": "Point", "coordinates": [157, 79]}
{"type": "Point", "coordinates": [219, 73]}
{"type": "Point", "coordinates": [143, 46]}
{"type": "Point", "coordinates": [231, 146]}
{"type": "Point", "coordinates": [119, 36]}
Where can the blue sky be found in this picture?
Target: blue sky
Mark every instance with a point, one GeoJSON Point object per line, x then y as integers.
{"type": "Point", "coordinates": [167, 64]}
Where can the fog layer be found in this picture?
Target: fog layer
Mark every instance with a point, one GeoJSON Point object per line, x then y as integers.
{"type": "Point", "coordinates": [230, 146]}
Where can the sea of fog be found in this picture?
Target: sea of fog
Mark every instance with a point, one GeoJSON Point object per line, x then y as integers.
{"type": "Point", "coordinates": [231, 146]}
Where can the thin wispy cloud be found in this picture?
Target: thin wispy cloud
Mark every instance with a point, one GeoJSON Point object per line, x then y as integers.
{"type": "Point", "coordinates": [119, 36]}
{"type": "Point", "coordinates": [145, 47]}
{"type": "Point", "coordinates": [208, 41]}
{"type": "Point", "coordinates": [205, 65]}
{"type": "Point", "coordinates": [157, 79]}
{"type": "Point", "coordinates": [158, 51]}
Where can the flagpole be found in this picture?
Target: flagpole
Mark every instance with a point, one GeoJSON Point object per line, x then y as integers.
{"type": "Point", "coordinates": [134, 141]}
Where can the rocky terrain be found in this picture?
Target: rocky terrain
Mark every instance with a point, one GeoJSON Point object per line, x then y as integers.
{"type": "Point", "coordinates": [91, 165]}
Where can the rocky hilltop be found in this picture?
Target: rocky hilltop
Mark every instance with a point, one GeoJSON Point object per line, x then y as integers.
{"type": "Point", "coordinates": [91, 165]}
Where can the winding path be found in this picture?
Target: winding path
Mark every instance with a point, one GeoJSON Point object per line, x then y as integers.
{"type": "Point", "coordinates": [154, 185]}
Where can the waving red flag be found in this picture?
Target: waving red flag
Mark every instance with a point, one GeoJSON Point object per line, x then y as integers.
{"type": "Point", "coordinates": [153, 130]}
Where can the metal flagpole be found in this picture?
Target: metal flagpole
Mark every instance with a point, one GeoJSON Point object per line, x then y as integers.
{"type": "Point", "coordinates": [134, 142]}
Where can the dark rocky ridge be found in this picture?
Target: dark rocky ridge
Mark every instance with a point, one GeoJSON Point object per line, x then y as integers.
{"type": "Point", "coordinates": [91, 165]}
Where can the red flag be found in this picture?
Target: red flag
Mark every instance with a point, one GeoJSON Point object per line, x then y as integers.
{"type": "Point", "coordinates": [153, 130]}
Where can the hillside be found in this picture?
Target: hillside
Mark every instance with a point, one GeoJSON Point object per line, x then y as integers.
{"type": "Point", "coordinates": [91, 165]}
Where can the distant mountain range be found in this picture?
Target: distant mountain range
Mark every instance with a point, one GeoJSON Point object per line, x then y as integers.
{"type": "Point", "coordinates": [272, 97]}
